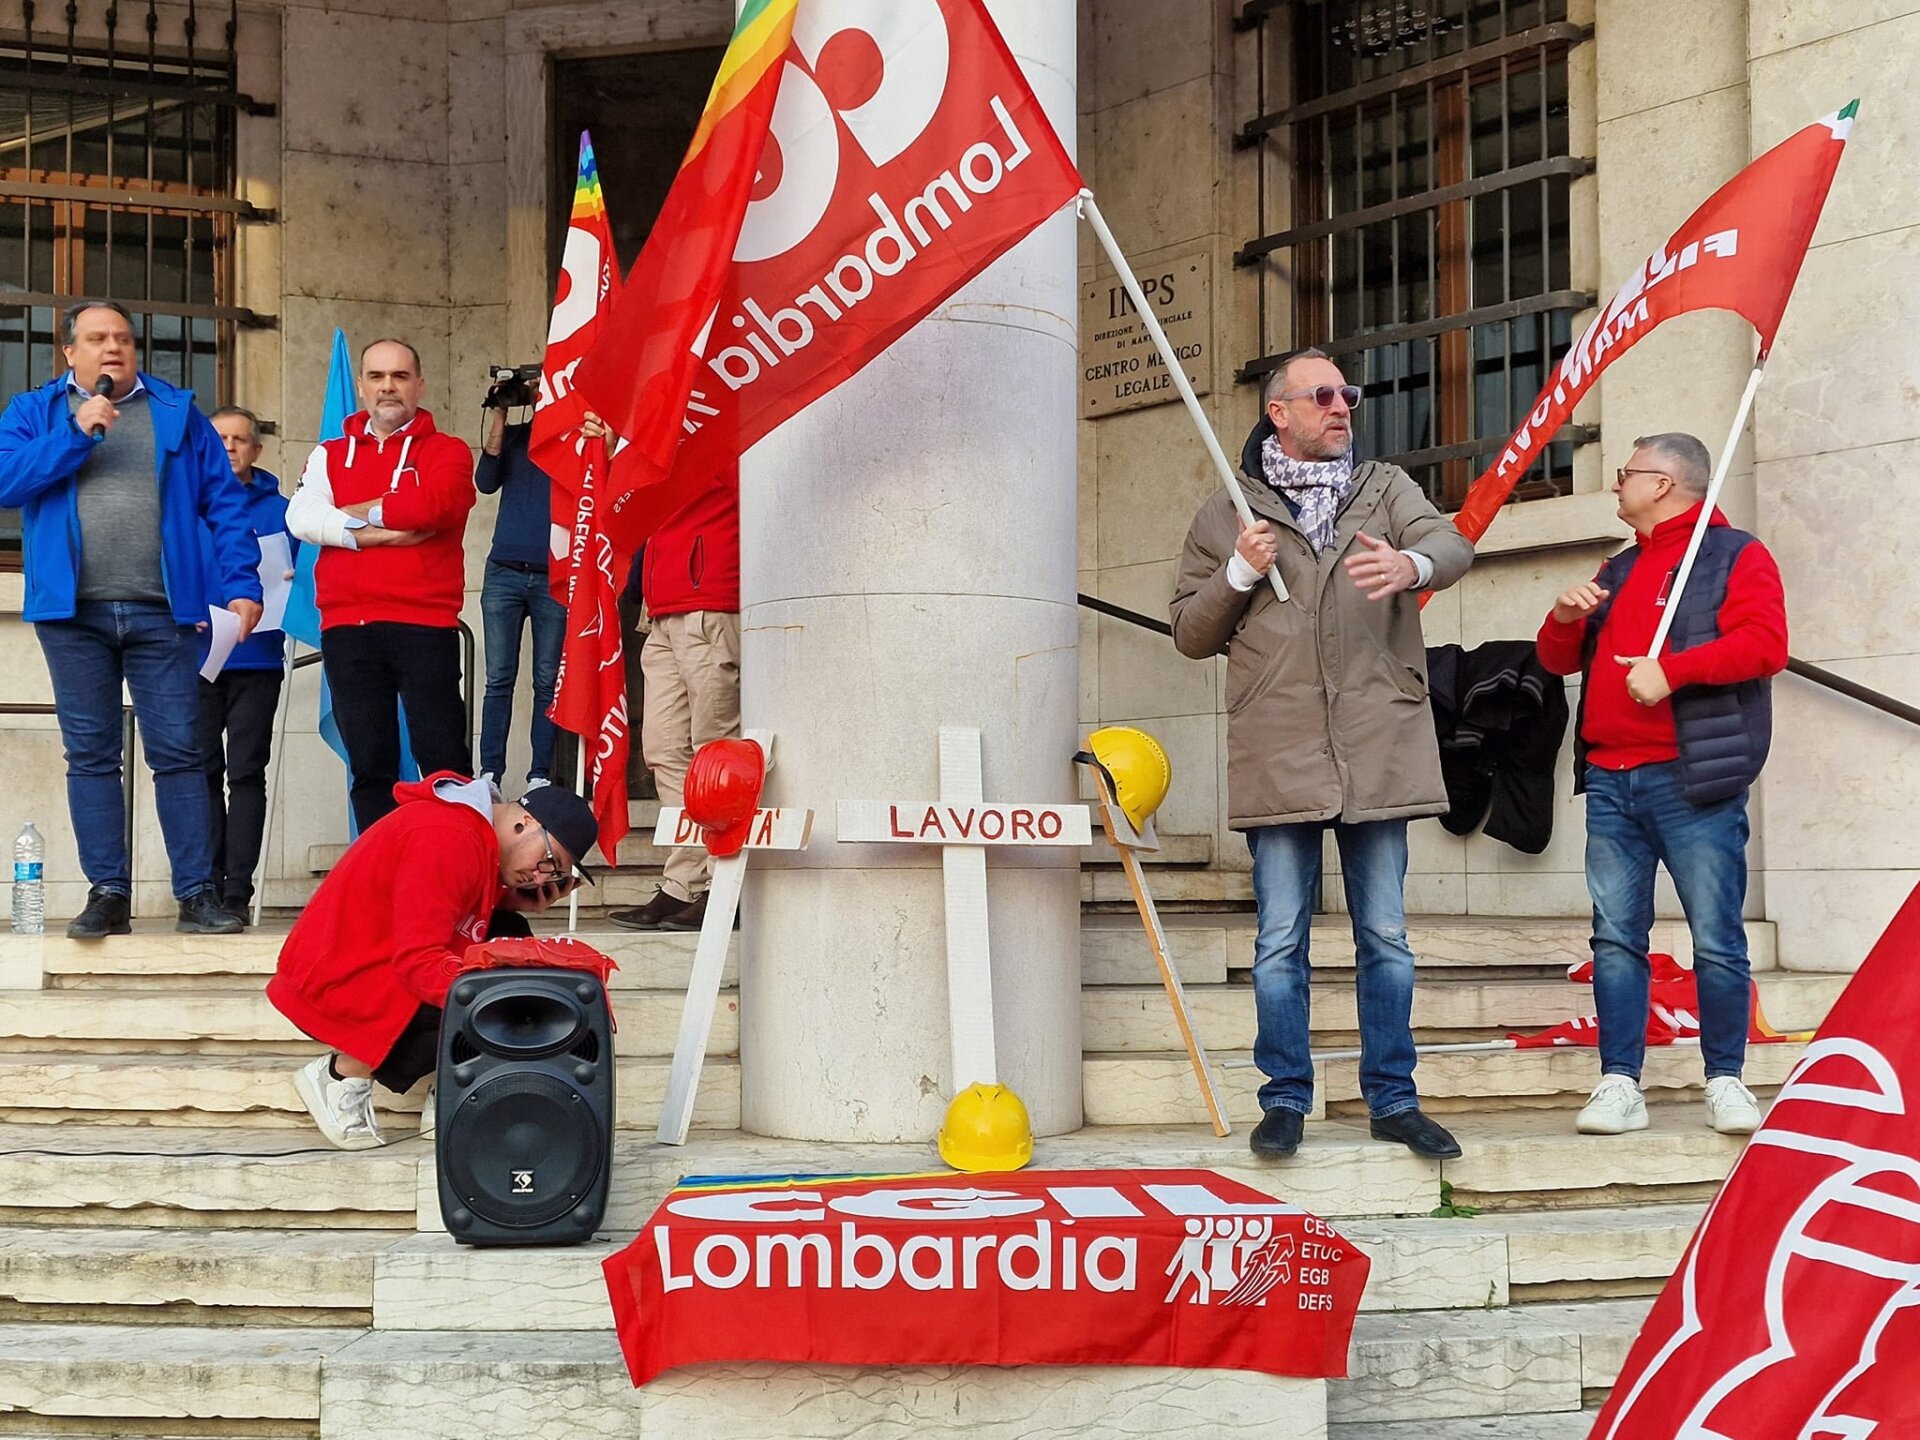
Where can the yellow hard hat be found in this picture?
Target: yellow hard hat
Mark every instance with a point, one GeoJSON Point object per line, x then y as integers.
{"type": "Point", "coordinates": [1138, 767]}
{"type": "Point", "coordinates": [986, 1129]}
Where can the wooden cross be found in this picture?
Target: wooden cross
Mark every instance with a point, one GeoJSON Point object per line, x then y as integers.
{"type": "Point", "coordinates": [964, 825]}
{"type": "Point", "coordinates": [772, 829]}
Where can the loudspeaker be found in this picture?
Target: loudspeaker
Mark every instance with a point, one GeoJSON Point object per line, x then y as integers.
{"type": "Point", "coordinates": [524, 1104]}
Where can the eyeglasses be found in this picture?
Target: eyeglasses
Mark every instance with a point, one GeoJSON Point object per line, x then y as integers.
{"type": "Point", "coordinates": [1323, 395]}
{"type": "Point", "coordinates": [551, 864]}
{"type": "Point", "coordinates": [1620, 475]}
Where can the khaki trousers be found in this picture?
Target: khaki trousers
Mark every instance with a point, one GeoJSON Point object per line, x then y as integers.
{"type": "Point", "coordinates": [691, 664]}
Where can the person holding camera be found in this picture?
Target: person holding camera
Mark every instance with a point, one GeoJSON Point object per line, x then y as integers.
{"type": "Point", "coordinates": [515, 592]}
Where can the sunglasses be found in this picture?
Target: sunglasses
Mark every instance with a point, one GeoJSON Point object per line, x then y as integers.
{"type": "Point", "coordinates": [1323, 395]}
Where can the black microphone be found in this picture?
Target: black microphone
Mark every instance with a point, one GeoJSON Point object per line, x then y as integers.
{"type": "Point", "coordinates": [102, 386]}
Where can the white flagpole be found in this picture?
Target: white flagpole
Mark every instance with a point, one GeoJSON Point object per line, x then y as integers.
{"type": "Point", "coordinates": [1091, 211]}
{"type": "Point", "coordinates": [278, 759]}
{"type": "Point", "coordinates": [579, 785]}
{"type": "Point", "coordinates": [1706, 511]}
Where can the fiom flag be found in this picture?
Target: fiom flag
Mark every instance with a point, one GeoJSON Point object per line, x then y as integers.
{"type": "Point", "coordinates": [590, 692]}
{"type": "Point", "coordinates": [589, 282]}
{"type": "Point", "coordinates": [1740, 251]}
{"type": "Point", "coordinates": [858, 162]}
{"type": "Point", "coordinates": [1673, 1012]}
{"type": "Point", "coordinates": [1796, 1310]}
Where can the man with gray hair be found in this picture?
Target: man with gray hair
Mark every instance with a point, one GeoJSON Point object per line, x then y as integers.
{"type": "Point", "coordinates": [1666, 748]}
{"type": "Point", "coordinates": [118, 477]}
{"type": "Point", "coordinates": [1328, 725]}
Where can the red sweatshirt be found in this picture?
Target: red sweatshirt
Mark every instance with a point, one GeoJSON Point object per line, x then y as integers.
{"type": "Point", "coordinates": [692, 561]}
{"type": "Point", "coordinates": [424, 481]}
{"type": "Point", "coordinates": [384, 933]}
{"type": "Point", "coordinates": [1753, 643]}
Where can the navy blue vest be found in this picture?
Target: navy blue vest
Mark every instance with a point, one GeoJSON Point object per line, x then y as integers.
{"type": "Point", "coordinates": [1723, 731]}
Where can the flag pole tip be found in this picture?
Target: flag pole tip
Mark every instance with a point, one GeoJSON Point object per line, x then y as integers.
{"type": "Point", "coordinates": [1851, 109]}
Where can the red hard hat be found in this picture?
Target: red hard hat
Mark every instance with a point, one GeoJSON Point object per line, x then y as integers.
{"type": "Point", "coordinates": [722, 791]}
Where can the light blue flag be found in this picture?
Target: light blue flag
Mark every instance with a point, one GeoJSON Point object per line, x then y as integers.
{"type": "Point", "coordinates": [303, 610]}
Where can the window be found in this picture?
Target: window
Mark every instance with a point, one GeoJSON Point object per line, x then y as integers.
{"type": "Point", "coordinates": [117, 180]}
{"type": "Point", "coordinates": [1429, 200]}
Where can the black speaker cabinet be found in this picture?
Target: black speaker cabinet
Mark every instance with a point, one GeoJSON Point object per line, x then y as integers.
{"type": "Point", "coordinates": [524, 1107]}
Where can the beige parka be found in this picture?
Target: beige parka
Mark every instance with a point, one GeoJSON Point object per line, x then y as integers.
{"type": "Point", "coordinates": [1327, 714]}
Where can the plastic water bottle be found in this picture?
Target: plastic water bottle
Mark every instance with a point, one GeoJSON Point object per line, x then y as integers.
{"type": "Point", "coordinates": [29, 884]}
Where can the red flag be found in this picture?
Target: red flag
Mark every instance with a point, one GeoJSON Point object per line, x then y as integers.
{"type": "Point", "coordinates": [589, 283]}
{"type": "Point", "coordinates": [1673, 1012]}
{"type": "Point", "coordinates": [1796, 1310]}
{"type": "Point", "coordinates": [880, 160]}
{"type": "Point", "coordinates": [1740, 251]}
{"type": "Point", "coordinates": [590, 693]}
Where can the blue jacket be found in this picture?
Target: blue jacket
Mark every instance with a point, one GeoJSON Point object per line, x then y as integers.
{"type": "Point", "coordinates": [42, 450]}
{"type": "Point", "coordinates": [266, 515]}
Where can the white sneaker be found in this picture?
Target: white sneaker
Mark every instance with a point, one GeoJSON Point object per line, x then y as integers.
{"type": "Point", "coordinates": [1731, 1107]}
{"type": "Point", "coordinates": [1617, 1106]}
{"type": "Point", "coordinates": [343, 1109]}
{"type": "Point", "coordinates": [538, 782]}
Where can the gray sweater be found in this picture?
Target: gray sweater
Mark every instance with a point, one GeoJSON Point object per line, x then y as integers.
{"type": "Point", "coordinates": [118, 495]}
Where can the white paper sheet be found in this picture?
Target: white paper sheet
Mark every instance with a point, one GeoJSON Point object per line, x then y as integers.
{"type": "Point", "coordinates": [225, 634]}
{"type": "Point", "coordinates": [276, 563]}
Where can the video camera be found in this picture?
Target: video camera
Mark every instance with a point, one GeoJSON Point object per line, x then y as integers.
{"type": "Point", "coordinates": [510, 386]}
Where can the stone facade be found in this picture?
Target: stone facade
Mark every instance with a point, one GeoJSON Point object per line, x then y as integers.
{"type": "Point", "coordinates": [408, 165]}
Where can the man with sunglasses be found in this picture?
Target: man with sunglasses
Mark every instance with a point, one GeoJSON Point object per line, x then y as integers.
{"type": "Point", "coordinates": [1666, 748]}
{"type": "Point", "coordinates": [367, 966]}
{"type": "Point", "coordinates": [1328, 725]}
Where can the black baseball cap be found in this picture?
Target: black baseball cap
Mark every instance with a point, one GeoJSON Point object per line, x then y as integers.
{"type": "Point", "coordinates": [567, 818]}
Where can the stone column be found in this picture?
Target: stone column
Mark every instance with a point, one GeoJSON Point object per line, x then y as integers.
{"type": "Point", "coordinates": [907, 557]}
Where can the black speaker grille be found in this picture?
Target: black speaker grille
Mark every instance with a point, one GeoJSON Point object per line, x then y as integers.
{"type": "Point", "coordinates": [587, 1048]}
{"type": "Point", "coordinates": [521, 1149]}
{"type": "Point", "coordinates": [460, 1049]}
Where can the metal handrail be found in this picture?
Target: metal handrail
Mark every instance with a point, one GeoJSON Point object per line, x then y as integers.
{"type": "Point", "coordinates": [128, 735]}
{"type": "Point", "coordinates": [467, 659]}
{"type": "Point", "coordinates": [1839, 684]}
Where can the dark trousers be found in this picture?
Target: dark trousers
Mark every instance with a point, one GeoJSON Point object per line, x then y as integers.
{"type": "Point", "coordinates": [235, 736]}
{"type": "Point", "coordinates": [416, 1054]}
{"type": "Point", "coordinates": [375, 668]}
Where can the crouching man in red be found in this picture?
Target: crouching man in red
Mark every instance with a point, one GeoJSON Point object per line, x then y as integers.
{"type": "Point", "coordinates": [367, 967]}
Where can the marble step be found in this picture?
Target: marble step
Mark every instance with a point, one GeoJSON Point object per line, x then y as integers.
{"type": "Point", "coordinates": [1572, 1248]}
{"type": "Point", "coordinates": [648, 1021]}
{"type": "Point", "coordinates": [1519, 1159]}
{"type": "Point", "coordinates": [1159, 1088]}
{"type": "Point", "coordinates": [220, 1177]}
{"type": "Point", "coordinates": [1557, 1425]}
{"type": "Point", "coordinates": [155, 956]}
{"type": "Point", "coordinates": [103, 1266]}
{"type": "Point", "coordinates": [1542, 946]}
{"type": "Point", "coordinates": [257, 1090]}
{"type": "Point", "coordinates": [1470, 1363]}
{"type": "Point", "coordinates": [429, 1385]}
{"type": "Point", "coordinates": [1122, 1018]}
{"type": "Point", "coordinates": [141, 1372]}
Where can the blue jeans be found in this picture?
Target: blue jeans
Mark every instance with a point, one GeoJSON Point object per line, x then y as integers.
{"type": "Point", "coordinates": [1286, 881]}
{"type": "Point", "coordinates": [87, 657]}
{"type": "Point", "coordinates": [1635, 818]}
{"type": "Point", "coordinates": [508, 599]}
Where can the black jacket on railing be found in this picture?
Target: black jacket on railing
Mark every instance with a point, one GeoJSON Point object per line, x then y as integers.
{"type": "Point", "coordinates": [1500, 718]}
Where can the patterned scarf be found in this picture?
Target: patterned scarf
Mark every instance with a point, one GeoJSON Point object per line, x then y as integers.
{"type": "Point", "coordinates": [1317, 488]}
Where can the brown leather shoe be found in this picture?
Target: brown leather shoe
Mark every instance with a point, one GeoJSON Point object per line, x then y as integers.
{"type": "Point", "coordinates": [690, 916]}
{"type": "Point", "coordinates": [656, 912]}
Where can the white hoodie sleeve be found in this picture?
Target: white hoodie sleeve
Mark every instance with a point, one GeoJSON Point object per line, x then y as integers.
{"type": "Point", "coordinates": [311, 514]}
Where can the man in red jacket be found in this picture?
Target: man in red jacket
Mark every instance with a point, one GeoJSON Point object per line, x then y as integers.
{"type": "Point", "coordinates": [367, 966]}
{"type": "Point", "coordinates": [690, 582]}
{"type": "Point", "coordinates": [389, 500]}
{"type": "Point", "coordinates": [1666, 747]}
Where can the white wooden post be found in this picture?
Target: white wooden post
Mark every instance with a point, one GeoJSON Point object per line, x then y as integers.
{"type": "Point", "coordinates": [963, 824]}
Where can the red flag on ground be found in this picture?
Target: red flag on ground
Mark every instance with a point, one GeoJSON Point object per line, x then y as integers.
{"type": "Point", "coordinates": [589, 283]}
{"type": "Point", "coordinates": [855, 166]}
{"type": "Point", "coordinates": [590, 694]}
{"type": "Point", "coordinates": [1673, 1012]}
{"type": "Point", "coordinates": [1740, 251]}
{"type": "Point", "coordinates": [1796, 1310]}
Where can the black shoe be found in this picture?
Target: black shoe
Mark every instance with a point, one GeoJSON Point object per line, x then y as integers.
{"type": "Point", "coordinates": [650, 915]}
{"type": "Point", "coordinates": [1418, 1134]}
{"type": "Point", "coordinates": [107, 913]}
{"type": "Point", "coordinates": [202, 914]}
{"type": "Point", "coordinates": [241, 908]}
{"type": "Point", "coordinates": [690, 916]}
{"type": "Point", "coordinates": [1278, 1133]}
